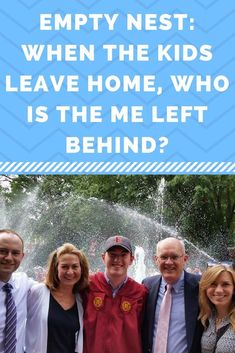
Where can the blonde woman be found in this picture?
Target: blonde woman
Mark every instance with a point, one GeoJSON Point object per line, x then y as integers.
{"type": "Point", "coordinates": [55, 313]}
{"type": "Point", "coordinates": [217, 309]}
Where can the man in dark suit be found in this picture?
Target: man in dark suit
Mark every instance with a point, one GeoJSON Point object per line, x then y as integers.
{"type": "Point", "coordinates": [14, 288]}
{"type": "Point", "coordinates": [183, 324]}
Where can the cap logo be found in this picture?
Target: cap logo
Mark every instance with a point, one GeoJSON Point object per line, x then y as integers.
{"type": "Point", "coordinates": [118, 239]}
{"type": "Point", "coordinates": [98, 302]}
{"type": "Point", "coordinates": [126, 306]}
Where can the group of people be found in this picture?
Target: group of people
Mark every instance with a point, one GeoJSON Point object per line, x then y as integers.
{"type": "Point", "coordinates": [75, 311]}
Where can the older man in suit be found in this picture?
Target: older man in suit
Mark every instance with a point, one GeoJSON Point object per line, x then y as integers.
{"type": "Point", "coordinates": [181, 334]}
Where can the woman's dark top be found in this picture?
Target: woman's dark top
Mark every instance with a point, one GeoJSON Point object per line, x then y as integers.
{"type": "Point", "coordinates": [63, 328]}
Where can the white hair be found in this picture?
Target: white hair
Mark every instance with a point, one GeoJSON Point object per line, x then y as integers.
{"type": "Point", "coordinates": [169, 240]}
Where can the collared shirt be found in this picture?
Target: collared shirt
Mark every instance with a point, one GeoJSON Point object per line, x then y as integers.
{"type": "Point", "coordinates": [177, 341]}
{"type": "Point", "coordinates": [115, 290]}
{"type": "Point", "coordinates": [225, 344]}
{"type": "Point", "coordinates": [21, 284]}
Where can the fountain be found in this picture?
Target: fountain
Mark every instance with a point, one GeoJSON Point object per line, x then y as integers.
{"type": "Point", "coordinates": [139, 264]}
{"type": "Point", "coordinates": [159, 201]}
{"type": "Point", "coordinates": [87, 223]}
{"type": "Point", "coordinates": [3, 211]}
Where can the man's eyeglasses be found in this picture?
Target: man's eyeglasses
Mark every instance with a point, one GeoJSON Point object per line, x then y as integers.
{"type": "Point", "coordinates": [173, 258]}
{"type": "Point", "coordinates": [114, 256]}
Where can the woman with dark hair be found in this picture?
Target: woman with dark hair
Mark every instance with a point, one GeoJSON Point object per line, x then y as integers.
{"type": "Point", "coordinates": [217, 309]}
{"type": "Point", "coordinates": [55, 313]}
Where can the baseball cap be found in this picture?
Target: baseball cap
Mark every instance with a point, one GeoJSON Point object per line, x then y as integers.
{"type": "Point", "coordinates": [118, 240]}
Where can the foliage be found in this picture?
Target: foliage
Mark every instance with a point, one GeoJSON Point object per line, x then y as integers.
{"type": "Point", "coordinates": [60, 208]}
{"type": "Point", "coordinates": [202, 209]}
{"type": "Point", "coordinates": [135, 191]}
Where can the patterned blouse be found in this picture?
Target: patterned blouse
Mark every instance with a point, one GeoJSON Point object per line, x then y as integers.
{"type": "Point", "coordinates": [226, 344]}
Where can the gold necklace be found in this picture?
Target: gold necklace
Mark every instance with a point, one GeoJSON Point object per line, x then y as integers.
{"type": "Point", "coordinates": [219, 320]}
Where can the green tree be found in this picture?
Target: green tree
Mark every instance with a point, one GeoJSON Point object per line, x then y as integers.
{"type": "Point", "coordinates": [136, 191]}
{"type": "Point", "coordinates": [202, 209]}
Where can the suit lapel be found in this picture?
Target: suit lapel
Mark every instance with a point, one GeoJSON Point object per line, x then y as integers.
{"type": "Point", "coordinates": [153, 294]}
{"type": "Point", "coordinates": [191, 308]}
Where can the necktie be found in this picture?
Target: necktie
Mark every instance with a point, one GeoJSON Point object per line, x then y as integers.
{"type": "Point", "coordinates": [163, 322]}
{"type": "Point", "coordinates": [10, 325]}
